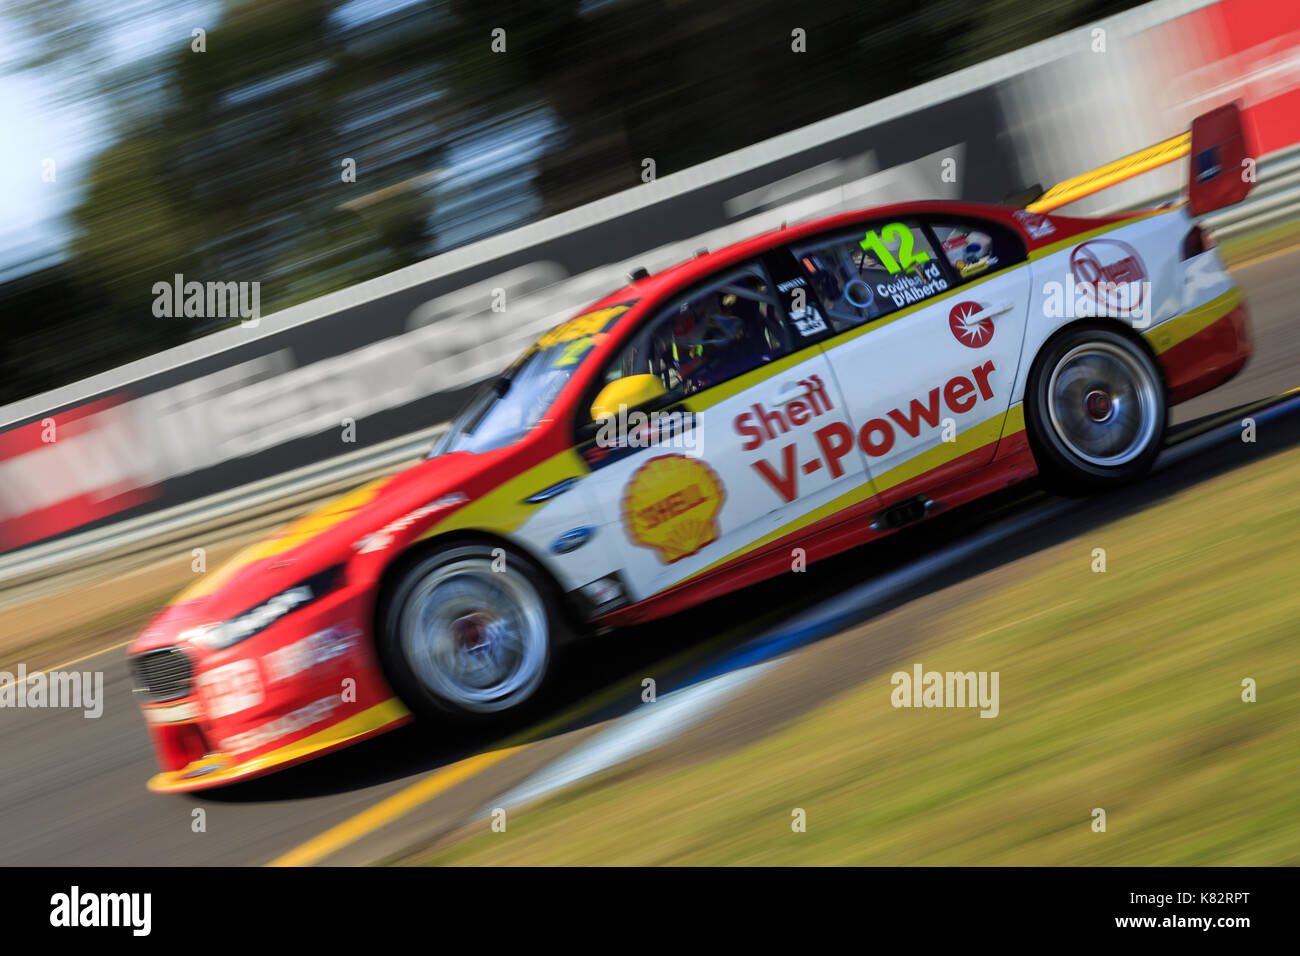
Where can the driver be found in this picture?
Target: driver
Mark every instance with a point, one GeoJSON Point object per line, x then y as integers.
{"type": "Point", "coordinates": [707, 342]}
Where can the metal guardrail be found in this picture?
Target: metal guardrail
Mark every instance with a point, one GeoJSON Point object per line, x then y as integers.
{"type": "Point", "coordinates": [1275, 199]}
{"type": "Point", "coordinates": [138, 537]}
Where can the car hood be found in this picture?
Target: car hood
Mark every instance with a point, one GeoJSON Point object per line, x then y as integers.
{"type": "Point", "coordinates": [325, 537]}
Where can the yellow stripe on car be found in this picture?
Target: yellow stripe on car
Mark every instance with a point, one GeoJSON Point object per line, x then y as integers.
{"type": "Point", "coordinates": [1077, 238]}
{"type": "Point", "coordinates": [1169, 333]}
{"type": "Point", "coordinates": [1103, 177]}
{"type": "Point", "coordinates": [978, 436]}
{"type": "Point", "coordinates": [735, 386]}
{"type": "Point", "coordinates": [503, 509]}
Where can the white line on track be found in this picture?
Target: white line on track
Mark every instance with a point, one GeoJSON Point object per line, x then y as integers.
{"type": "Point", "coordinates": [65, 664]}
{"type": "Point", "coordinates": [638, 732]}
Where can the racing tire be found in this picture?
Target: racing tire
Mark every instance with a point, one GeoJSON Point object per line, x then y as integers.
{"type": "Point", "coordinates": [1096, 410]}
{"type": "Point", "coordinates": [467, 632]}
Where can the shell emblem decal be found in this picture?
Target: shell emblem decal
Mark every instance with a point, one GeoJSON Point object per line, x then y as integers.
{"type": "Point", "coordinates": [671, 505]}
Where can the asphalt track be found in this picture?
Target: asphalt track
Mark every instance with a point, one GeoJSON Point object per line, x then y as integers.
{"type": "Point", "coordinates": [72, 791]}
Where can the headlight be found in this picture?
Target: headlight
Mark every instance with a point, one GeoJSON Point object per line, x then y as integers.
{"type": "Point", "coordinates": [257, 619]}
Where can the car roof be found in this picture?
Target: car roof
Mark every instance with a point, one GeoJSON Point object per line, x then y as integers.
{"type": "Point", "coordinates": [691, 270]}
{"type": "Point", "coordinates": [650, 290]}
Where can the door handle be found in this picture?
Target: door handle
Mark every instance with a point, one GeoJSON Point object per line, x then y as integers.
{"type": "Point", "coordinates": [989, 312]}
{"type": "Point", "coordinates": [790, 392]}
{"type": "Point", "coordinates": [546, 494]}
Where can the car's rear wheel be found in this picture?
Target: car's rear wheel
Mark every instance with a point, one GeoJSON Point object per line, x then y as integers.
{"type": "Point", "coordinates": [467, 631]}
{"type": "Point", "coordinates": [1095, 405]}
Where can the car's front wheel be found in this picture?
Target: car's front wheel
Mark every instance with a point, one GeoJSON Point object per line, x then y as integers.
{"type": "Point", "coordinates": [467, 631]}
{"type": "Point", "coordinates": [1095, 406]}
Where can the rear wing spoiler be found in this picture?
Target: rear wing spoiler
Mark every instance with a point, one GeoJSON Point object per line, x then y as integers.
{"type": "Point", "coordinates": [1217, 173]}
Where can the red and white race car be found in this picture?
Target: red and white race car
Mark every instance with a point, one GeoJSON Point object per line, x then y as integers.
{"type": "Point", "coordinates": [815, 387]}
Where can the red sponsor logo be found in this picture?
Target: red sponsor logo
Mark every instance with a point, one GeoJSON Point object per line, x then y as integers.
{"type": "Point", "coordinates": [878, 436]}
{"type": "Point", "coordinates": [759, 424]}
{"type": "Point", "coordinates": [1110, 273]}
{"type": "Point", "coordinates": [971, 334]}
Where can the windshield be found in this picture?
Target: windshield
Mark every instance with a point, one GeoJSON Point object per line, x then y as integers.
{"type": "Point", "coordinates": [506, 408]}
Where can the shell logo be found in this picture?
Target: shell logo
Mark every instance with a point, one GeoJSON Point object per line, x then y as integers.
{"type": "Point", "coordinates": [671, 505]}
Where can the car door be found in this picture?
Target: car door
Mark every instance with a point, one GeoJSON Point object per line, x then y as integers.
{"type": "Point", "coordinates": [928, 317]}
{"type": "Point", "coordinates": [745, 432]}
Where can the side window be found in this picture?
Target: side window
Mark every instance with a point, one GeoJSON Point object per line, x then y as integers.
{"type": "Point", "coordinates": [711, 335]}
{"type": "Point", "coordinates": [974, 247]}
{"type": "Point", "coordinates": [867, 272]}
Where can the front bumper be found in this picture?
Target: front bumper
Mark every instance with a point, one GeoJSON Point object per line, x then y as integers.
{"type": "Point", "coordinates": [217, 769]}
{"type": "Point", "coordinates": [307, 685]}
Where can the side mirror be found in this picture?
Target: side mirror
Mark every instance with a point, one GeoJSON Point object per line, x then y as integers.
{"type": "Point", "coordinates": [631, 391]}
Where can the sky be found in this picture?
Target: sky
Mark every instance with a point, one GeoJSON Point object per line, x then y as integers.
{"type": "Point", "coordinates": [32, 211]}
{"type": "Point", "coordinates": [35, 126]}
{"type": "Point", "coordinates": [38, 124]}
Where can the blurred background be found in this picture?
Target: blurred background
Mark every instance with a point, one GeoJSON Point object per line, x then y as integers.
{"type": "Point", "coordinates": [227, 163]}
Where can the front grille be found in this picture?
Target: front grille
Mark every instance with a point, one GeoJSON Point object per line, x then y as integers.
{"type": "Point", "coordinates": [164, 674]}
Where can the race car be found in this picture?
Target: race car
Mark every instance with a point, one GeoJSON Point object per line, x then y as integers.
{"type": "Point", "coordinates": [813, 388]}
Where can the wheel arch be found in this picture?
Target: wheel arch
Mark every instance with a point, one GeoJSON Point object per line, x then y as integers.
{"type": "Point", "coordinates": [419, 549]}
{"type": "Point", "coordinates": [1110, 324]}
{"type": "Point", "coordinates": [1058, 469]}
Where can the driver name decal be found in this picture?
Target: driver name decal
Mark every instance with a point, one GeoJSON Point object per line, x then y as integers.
{"type": "Point", "coordinates": [910, 289]}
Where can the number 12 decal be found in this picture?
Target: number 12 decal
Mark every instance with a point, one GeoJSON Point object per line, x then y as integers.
{"type": "Point", "coordinates": [896, 232]}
